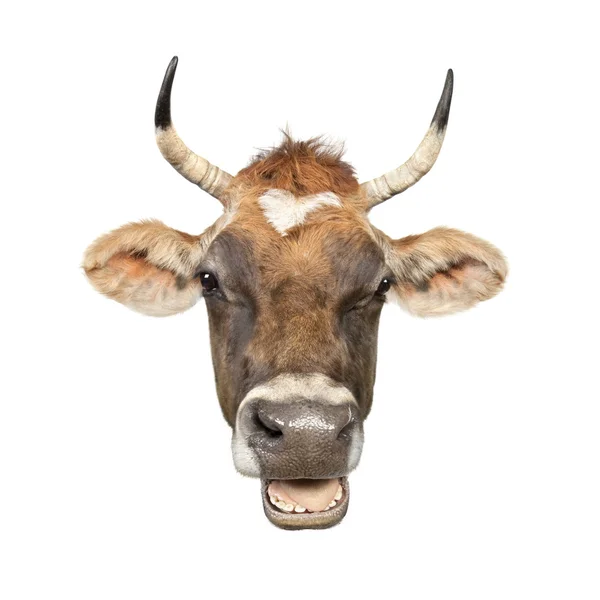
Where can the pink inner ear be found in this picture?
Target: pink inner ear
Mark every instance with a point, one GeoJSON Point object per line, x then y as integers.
{"type": "Point", "coordinates": [458, 276]}
{"type": "Point", "coordinates": [461, 278]}
{"type": "Point", "coordinates": [138, 269]}
{"type": "Point", "coordinates": [458, 288]}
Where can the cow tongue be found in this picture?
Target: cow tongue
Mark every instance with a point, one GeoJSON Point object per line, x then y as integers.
{"type": "Point", "coordinates": [313, 494]}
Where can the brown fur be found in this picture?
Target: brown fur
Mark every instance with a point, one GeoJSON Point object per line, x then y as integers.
{"type": "Point", "coordinates": [288, 306]}
{"type": "Point", "coordinates": [147, 266]}
{"type": "Point", "coordinates": [444, 271]}
{"type": "Point", "coordinates": [290, 298]}
{"type": "Point", "coordinates": [302, 168]}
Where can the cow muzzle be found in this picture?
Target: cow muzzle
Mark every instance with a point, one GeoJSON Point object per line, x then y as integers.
{"type": "Point", "coordinates": [302, 435]}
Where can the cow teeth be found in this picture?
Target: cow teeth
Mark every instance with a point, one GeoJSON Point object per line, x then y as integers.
{"type": "Point", "coordinates": [292, 507]}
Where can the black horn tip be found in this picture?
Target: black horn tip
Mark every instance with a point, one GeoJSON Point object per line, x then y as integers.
{"type": "Point", "coordinates": [162, 116]}
{"type": "Point", "coordinates": [442, 112]}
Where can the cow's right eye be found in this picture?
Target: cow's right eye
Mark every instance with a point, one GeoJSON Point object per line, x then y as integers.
{"type": "Point", "coordinates": [209, 282]}
{"type": "Point", "coordinates": [384, 287]}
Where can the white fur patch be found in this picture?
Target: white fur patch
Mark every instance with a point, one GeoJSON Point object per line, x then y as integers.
{"type": "Point", "coordinates": [283, 210]}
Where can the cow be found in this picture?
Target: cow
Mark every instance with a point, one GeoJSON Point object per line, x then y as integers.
{"type": "Point", "coordinates": [294, 277]}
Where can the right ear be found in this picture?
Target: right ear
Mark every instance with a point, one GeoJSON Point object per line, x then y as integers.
{"type": "Point", "coordinates": [146, 266]}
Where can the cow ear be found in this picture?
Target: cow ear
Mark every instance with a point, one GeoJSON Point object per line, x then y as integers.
{"type": "Point", "coordinates": [444, 271]}
{"type": "Point", "coordinates": [146, 266]}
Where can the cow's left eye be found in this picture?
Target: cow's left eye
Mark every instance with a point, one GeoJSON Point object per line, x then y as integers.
{"type": "Point", "coordinates": [384, 287]}
{"type": "Point", "coordinates": [209, 282]}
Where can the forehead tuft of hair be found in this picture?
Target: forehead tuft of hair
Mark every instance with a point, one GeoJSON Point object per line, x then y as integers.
{"type": "Point", "coordinates": [302, 168]}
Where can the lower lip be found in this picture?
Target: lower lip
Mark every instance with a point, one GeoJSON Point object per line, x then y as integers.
{"type": "Point", "coordinates": [314, 520]}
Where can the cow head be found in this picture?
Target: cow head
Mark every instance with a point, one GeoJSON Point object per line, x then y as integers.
{"type": "Point", "coordinates": [294, 277]}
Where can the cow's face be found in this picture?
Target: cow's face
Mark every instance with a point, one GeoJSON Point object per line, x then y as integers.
{"type": "Point", "coordinates": [294, 278]}
{"type": "Point", "coordinates": [293, 321]}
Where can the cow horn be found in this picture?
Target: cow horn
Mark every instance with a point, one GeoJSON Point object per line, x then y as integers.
{"type": "Point", "coordinates": [193, 167]}
{"type": "Point", "coordinates": [393, 182]}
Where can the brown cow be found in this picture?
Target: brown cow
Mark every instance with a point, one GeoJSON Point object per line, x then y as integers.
{"type": "Point", "coordinates": [294, 277]}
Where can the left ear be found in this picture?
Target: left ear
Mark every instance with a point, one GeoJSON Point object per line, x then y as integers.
{"type": "Point", "coordinates": [444, 271]}
{"type": "Point", "coordinates": [146, 266]}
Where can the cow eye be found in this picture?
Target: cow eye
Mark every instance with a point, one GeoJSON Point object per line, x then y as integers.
{"type": "Point", "coordinates": [209, 282]}
{"type": "Point", "coordinates": [384, 287]}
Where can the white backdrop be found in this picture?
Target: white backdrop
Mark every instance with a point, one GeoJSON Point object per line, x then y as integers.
{"type": "Point", "coordinates": [480, 473]}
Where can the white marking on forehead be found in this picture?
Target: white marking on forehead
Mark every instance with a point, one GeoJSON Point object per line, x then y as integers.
{"type": "Point", "coordinates": [284, 210]}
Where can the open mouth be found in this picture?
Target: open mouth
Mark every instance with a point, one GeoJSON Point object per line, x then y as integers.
{"type": "Point", "coordinates": [305, 503]}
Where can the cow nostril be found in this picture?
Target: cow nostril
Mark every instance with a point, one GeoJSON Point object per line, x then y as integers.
{"type": "Point", "coordinates": [267, 425]}
{"type": "Point", "coordinates": [345, 433]}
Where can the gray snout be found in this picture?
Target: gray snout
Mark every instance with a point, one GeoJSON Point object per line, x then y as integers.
{"type": "Point", "coordinates": [302, 438]}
